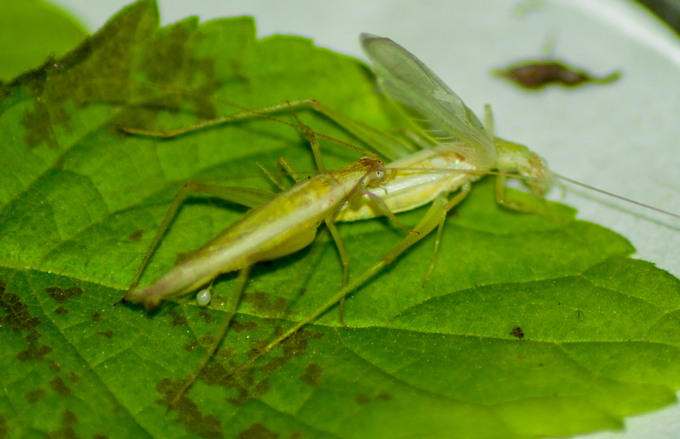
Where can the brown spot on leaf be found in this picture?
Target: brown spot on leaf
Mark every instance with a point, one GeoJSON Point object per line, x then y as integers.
{"type": "Point", "coordinates": [54, 366]}
{"type": "Point", "coordinates": [60, 296]}
{"type": "Point", "coordinates": [60, 311]}
{"type": "Point", "coordinates": [534, 75]}
{"type": "Point", "coordinates": [177, 319]}
{"type": "Point", "coordinates": [362, 399]}
{"type": "Point", "coordinates": [264, 306]}
{"type": "Point", "coordinates": [66, 431]}
{"type": "Point", "coordinates": [295, 345]}
{"type": "Point", "coordinates": [34, 353]}
{"type": "Point", "coordinates": [204, 426]}
{"type": "Point", "coordinates": [207, 317]}
{"type": "Point", "coordinates": [517, 332]}
{"type": "Point", "coordinates": [107, 334]}
{"type": "Point", "coordinates": [72, 376]}
{"type": "Point", "coordinates": [247, 326]}
{"type": "Point", "coordinates": [257, 431]}
{"type": "Point", "coordinates": [206, 340]}
{"type": "Point", "coordinates": [16, 315]}
{"type": "Point", "coordinates": [59, 386]}
{"type": "Point", "coordinates": [384, 396]}
{"type": "Point", "coordinates": [136, 235]}
{"type": "Point", "coordinates": [96, 317]}
{"type": "Point", "coordinates": [35, 395]}
{"type": "Point", "coordinates": [312, 374]}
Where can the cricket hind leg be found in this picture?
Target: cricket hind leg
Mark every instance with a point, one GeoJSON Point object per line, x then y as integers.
{"type": "Point", "coordinates": [429, 222]}
{"type": "Point", "coordinates": [219, 336]}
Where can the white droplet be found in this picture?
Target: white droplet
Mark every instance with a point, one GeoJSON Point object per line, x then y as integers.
{"type": "Point", "coordinates": [203, 297]}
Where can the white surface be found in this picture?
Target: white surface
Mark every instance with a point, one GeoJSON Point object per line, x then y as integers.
{"type": "Point", "coordinates": [622, 137]}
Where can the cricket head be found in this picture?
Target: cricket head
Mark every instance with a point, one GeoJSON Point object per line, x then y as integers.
{"type": "Point", "coordinates": [374, 170]}
{"type": "Point", "coordinates": [533, 170]}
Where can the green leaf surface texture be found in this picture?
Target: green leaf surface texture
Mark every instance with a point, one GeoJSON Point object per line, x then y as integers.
{"type": "Point", "coordinates": [529, 326]}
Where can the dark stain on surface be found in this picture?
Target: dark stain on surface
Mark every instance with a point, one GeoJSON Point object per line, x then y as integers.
{"type": "Point", "coordinates": [517, 332]}
{"type": "Point", "coordinates": [207, 317]}
{"type": "Point", "coordinates": [107, 334]}
{"type": "Point", "coordinates": [60, 311]}
{"type": "Point", "coordinates": [74, 377]}
{"type": "Point", "coordinates": [206, 340]}
{"type": "Point", "coordinates": [34, 353]}
{"type": "Point", "coordinates": [263, 305]}
{"type": "Point", "coordinates": [257, 431]}
{"type": "Point", "coordinates": [60, 296]}
{"type": "Point", "coordinates": [16, 314]}
{"type": "Point", "coordinates": [537, 74]}
{"type": "Point", "coordinates": [384, 396]}
{"type": "Point", "coordinates": [312, 374]}
{"type": "Point", "coordinates": [68, 420]}
{"type": "Point", "coordinates": [362, 399]}
{"type": "Point", "coordinates": [35, 395]}
{"type": "Point", "coordinates": [295, 345]}
{"type": "Point", "coordinates": [96, 317]}
{"type": "Point", "coordinates": [136, 235]}
{"type": "Point", "coordinates": [54, 366]}
{"type": "Point", "coordinates": [177, 319]}
{"type": "Point", "coordinates": [246, 326]}
{"type": "Point", "coordinates": [188, 413]}
{"type": "Point", "coordinates": [60, 387]}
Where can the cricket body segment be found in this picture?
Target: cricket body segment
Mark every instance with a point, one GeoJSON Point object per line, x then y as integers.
{"type": "Point", "coordinates": [458, 142]}
{"type": "Point", "coordinates": [277, 228]}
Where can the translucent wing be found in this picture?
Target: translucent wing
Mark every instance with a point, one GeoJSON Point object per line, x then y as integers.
{"type": "Point", "coordinates": [404, 78]}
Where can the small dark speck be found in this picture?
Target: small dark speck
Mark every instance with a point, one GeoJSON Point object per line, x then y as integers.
{"type": "Point", "coordinates": [96, 317]}
{"type": "Point", "coordinates": [540, 364]}
{"type": "Point", "coordinates": [384, 396]}
{"type": "Point", "coordinates": [362, 399]}
{"type": "Point", "coordinates": [35, 395]}
{"type": "Point", "coordinates": [517, 332]}
{"type": "Point", "coordinates": [61, 311]}
{"type": "Point", "coordinates": [303, 291]}
{"type": "Point", "coordinates": [107, 334]}
{"type": "Point", "coordinates": [59, 386]}
{"type": "Point", "coordinates": [73, 377]}
{"type": "Point", "coordinates": [136, 235]}
{"type": "Point", "coordinates": [60, 296]}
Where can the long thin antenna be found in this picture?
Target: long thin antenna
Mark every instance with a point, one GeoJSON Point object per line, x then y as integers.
{"type": "Point", "coordinates": [656, 209]}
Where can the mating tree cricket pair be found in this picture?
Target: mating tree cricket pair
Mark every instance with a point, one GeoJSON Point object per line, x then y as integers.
{"type": "Point", "coordinates": [456, 151]}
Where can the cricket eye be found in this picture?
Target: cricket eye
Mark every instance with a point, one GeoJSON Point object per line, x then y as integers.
{"type": "Point", "coordinates": [379, 175]}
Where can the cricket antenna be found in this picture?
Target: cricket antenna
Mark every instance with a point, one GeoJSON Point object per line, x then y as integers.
{"type": "Point", "coordinates": [637, 203]}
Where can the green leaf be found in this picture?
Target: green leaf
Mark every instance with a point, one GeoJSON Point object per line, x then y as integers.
{"type": "Point", "coordinates": [81, 202]}
{"type": "Point", "coordinates": [31, 32]}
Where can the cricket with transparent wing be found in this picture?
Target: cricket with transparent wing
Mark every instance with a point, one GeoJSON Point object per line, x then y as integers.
{"type": "Point", "coordinates": [455, 151]}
